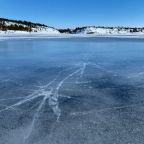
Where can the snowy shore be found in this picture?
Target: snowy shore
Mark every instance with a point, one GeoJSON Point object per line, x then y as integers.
{"type": "Point", "coordinates": [26, 35]}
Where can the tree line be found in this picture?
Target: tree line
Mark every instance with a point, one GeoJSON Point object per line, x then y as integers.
{"type": "Point", "coordinates": [18, 25]}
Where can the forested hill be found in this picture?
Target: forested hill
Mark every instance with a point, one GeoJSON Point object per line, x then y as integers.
{"type": "Point", "coordinates": [27, 26]}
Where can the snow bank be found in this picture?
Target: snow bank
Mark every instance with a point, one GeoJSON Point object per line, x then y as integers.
{"type": "Point", "coordinates": [36, 31]}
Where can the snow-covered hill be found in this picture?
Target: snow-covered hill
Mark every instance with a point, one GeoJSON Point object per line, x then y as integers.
{"type": "Point", "coordinates": [108, 30]}
{"type": "Point", "coordinates": [24, 27]}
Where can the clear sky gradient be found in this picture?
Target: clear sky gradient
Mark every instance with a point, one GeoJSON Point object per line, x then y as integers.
{"type": "Point", "coordinates": [72, 13]}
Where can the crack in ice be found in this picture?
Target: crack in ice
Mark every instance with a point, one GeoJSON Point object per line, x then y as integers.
{"type": "Point", "coordinates": [53, 100]}
{"type": "Point", "coordinates": [50, 92]}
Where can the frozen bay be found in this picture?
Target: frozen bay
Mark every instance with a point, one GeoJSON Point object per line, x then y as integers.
{"type": "Point", "coordinates": [75, 90]}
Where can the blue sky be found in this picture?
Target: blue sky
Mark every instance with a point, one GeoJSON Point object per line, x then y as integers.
{"type": "Point", "coordinates": [71, 13]}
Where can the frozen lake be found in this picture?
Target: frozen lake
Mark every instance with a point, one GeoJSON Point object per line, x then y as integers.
{"type": "Point", "coordinates": [72, 91]}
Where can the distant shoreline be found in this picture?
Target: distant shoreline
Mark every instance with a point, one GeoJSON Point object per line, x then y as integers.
{"type": "Point", "coordinates": [59, 36]}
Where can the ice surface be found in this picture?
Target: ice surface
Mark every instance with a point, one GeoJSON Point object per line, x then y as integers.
{"type": "Point", "coordinates": [76, 90]}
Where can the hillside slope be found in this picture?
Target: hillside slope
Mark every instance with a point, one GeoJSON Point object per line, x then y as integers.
{"type": "Point", "coordinates": [104, 30]}
{"type": "Point", "coordinates": [24, 27]}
